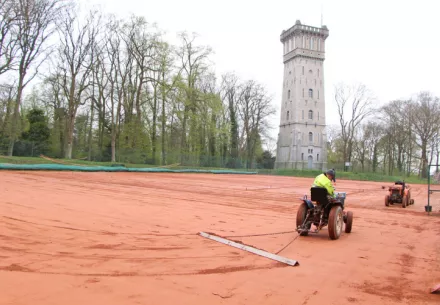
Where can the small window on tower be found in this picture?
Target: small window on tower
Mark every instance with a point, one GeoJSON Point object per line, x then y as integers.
{"type": "Point", "coordinates": [288, 94]}
{"type": "Point", "coordinates": [317, 157]}
{"type": "Point", "coordinates": [303, 92]}
{"type": "Point", "coordinates": [303, 114]}
{"type": "Point", "coordinates": [310, 114]}
{"type": "Point", "coordinates": [311, 93]}
{"type": "Point", "coordinates": [302, 157]}
{"type": "Point", "coordinates": [310, 137]}
{"type": "Point", "coordinates": [303, 70]}
{"type": "Point", "coordinates": [288, 113]}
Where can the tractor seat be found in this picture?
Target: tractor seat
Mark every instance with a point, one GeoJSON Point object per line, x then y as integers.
{"type": "Point", "coordinates": [319, 195]}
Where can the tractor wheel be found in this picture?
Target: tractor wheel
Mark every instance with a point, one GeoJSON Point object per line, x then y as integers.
{"type": "Point", "coordinates": [404, 201]}
{"type": "Point", "coordinates": [335, 222]}
{"type": "Point", "coordinates": [349, 222]}
{"type": "Point", "coordinates": [387, 200]}
{"type": "Point", "coordinates": [411, 202]}
{"type": "Point", "coordinates": [301, 216]}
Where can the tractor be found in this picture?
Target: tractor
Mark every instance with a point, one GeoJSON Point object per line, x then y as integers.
{"type": "Point", "coordinates": [400, 192]}
{"type": "Point", "coordinates": [326, 211]}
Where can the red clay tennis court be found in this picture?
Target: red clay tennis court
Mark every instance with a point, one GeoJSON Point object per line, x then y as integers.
{"type": "Point", "coordinates": [131, 238]}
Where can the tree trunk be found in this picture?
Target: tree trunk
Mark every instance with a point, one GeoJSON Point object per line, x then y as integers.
{"type": "Point", "coordinates": [163, 120]}
{"type": "Point", "coordinates": [153, 137]}
{"type": "Point", "coordinates": [15, 116]}
{"type": "Point", "coordinates": [70, 127]}
{"type": "Point", "coordinates": [89, 157]}
{"type": "Point", "coordinates": [70, 119]}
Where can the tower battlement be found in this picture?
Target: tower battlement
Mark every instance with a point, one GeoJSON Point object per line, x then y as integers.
{"type": "Point", "coordinates": [299, 29]}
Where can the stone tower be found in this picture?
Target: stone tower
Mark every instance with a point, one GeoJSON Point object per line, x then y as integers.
{"type": "Point", "coordinates": [302, 138]}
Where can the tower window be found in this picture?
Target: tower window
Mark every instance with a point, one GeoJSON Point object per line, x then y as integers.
{"type": "Point", "coordinates": [319, 47]}
{"type": "Point", "coordinates": [317, 157]}
{"type": "Point", "coordinates": [303, 70]}
{"type": "Point", "coordinates": [310, 114]}
{"type": "Point", "coordinates": [311, 43]}
{"type": "Point", "coordinates": [311, 93]}
{"type": "Point", "coordinates": [288, 113]}
{"type": "Point", "coordinates": [288, 94]}
{"type": "Point", "coordinates": [303, 92]}
{"type": "Point", "coordinates": [310, 137]}
{"type": "Point", "coordinates": [303, 114]}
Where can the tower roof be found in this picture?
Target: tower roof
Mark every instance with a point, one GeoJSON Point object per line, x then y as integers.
{"type": "Point", "coordinates": [299, 28]}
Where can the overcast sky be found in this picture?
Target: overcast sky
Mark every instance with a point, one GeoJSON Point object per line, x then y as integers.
{"type": "Point", "coordinates": [391, 46]}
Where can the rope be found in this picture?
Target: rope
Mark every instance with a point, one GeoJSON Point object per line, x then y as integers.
{"type": "Point", "coordinates": [264, 234]}
{"type": "Point", "coordinates": [267, 234]}
{"type": "Point", "coordinates": [288, 244]}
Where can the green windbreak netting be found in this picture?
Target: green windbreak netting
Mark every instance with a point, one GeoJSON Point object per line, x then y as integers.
{"type": "Point", "coordinates": [61, 167]}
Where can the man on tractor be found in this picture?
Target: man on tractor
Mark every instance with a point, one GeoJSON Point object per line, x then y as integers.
{"type": "Point", "coordinates": [334, 177]}
{"type": "Point", "coordinates": [325, 180]}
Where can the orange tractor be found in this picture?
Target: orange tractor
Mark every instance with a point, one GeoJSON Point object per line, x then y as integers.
{"type": "Point", "coordinates": [399, 193]}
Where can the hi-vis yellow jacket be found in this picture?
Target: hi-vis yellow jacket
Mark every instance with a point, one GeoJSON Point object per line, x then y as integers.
{"type": "Point", "coordinates": [323, 181]}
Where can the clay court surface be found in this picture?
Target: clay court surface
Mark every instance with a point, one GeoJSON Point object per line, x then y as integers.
{"type": "Point", "coordinates": [131, 238]}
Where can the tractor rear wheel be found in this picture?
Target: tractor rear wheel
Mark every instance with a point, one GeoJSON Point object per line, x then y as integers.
{"type": "Point", "coordinates": [411, 201]}
{"type": "Point", "coordinates": [301, 216]}
{"type": "Point", "coordinates": [404, 201]}
{"type": "Point", "coordinates": [387, 200]}
{"type": "Point", "coordinates": [349, 222]}
{"type": "Point", "coordinates": [335, 222]}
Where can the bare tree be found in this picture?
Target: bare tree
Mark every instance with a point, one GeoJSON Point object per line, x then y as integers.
{"type": "Point", "coordinates": [114, 50]}
{"type": "Point", "coordinates": [34, 26]}
{"type": "Point", "coordinates": [76, 44]}
{"type": "Point", "coordinates": [8, 38]}
{"type": "Point", "coordinates": [397, 129]}
{"type": "Point", "coordinates": [333, 133]}
{"type": "Point", "coordinates": [230, 94]}
{"type": "Point", "coordinates": [193, 60]}
{"type": "Point", "coordinates": [167, 84]}
{"type": "Point", "coordinates": [255, 108]}
{"type": "Point", "coordinates": [426, 125]}
{"type": "Point", "coordinates": [354, 103]}
{"type": "Point", "coordinates": [373, 132]}
{"type": "Point", "coordinates": [7, 95]}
